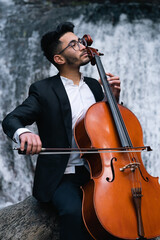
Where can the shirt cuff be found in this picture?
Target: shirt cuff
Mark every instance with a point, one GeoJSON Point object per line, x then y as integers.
{"type": "Point", "coordinates": [18, 133]}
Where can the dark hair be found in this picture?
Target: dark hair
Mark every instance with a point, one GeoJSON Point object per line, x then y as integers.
{"type": "Point", "coordinates": [50, 41]}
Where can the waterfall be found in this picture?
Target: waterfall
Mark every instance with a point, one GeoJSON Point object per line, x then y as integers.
{"type": "Point", "coordinates": [129, 37]}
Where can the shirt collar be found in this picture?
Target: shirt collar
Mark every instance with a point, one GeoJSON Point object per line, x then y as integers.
{"type": "Point", "coordinates": [67, 81]}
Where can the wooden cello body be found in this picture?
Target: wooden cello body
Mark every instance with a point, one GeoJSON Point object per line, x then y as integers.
{"type": "Point", "coordinates": [121, 200]}
{"type": "Point", "coordinates": [109, 209]}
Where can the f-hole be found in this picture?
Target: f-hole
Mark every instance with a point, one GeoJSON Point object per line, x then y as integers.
{"type": "Point", "coordinates": [112, 169]}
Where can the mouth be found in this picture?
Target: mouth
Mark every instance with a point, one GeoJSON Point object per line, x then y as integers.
{"type": "Point", "coordinates": [85, 53]}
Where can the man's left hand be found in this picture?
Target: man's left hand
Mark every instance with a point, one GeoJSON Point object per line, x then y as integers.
{"type": "Point", "coordinates": [114, 82]}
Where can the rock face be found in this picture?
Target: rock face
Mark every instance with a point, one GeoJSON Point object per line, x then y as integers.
{"type": "Point", "coordinates": [29, 220]}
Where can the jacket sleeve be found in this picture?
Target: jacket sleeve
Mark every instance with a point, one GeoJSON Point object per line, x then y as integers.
{"type": "Point", "coordinates": [25, 114]}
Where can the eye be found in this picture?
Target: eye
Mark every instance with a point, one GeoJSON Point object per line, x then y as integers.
{"type": "Point", "coordinates": [73, 43]}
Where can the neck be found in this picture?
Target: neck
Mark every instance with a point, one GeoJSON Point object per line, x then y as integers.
{"type": "Point", "coordinates": [72, 74]}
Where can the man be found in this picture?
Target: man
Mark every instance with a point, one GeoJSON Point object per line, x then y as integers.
{"type": "Point", "coordinates": [55, 104]}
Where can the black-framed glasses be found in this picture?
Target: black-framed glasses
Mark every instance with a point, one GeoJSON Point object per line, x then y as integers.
{"type": "Point", "coordinates": [75, 44]}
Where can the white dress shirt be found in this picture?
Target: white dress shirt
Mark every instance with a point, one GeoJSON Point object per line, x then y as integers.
{"type": "Point", "coordinates": [80, 98]}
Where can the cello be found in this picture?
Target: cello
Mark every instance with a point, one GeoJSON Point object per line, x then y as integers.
{"type": "Point", "coordinates": [121, 200]}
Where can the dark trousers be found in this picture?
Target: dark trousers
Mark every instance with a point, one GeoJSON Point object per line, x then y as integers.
{"type": "Point", "coordinates": [68, 201]}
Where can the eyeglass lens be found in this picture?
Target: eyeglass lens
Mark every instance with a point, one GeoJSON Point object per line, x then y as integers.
{"type": "Point", "coordinates": [76, 44]}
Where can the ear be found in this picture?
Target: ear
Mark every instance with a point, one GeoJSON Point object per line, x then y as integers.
{"type": "Point", "coordinates": [59, 59]}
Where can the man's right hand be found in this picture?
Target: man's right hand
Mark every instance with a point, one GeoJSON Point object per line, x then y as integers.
{"type": "Point", "coordinates": [33, 142]}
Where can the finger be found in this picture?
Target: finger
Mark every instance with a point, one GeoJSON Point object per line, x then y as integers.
{"type": "Point", "coordinates": [39, 148]}
{"type": "Point", "coordinates": [29, 146]}
{"type": "Point", "coordinates": [23, 141]}
{"type": "Point", "coordinates": [99, 80]}
{"type": "Point", "coordinates": [115, 84]}
{"type": "Point", "coordinates": [115, 78]}
{"type": "Point", "coordinates": [109, 74]}
{"type": "Point", "coordinates": [36, 145]}
{"type": "Point", "coordinates": [117, 87]}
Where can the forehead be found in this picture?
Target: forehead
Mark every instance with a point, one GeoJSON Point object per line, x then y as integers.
{"type": "Point", "coordinates": [67, 37]}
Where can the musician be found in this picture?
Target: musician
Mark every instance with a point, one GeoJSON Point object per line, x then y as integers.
{"type": "Point", "coordinates": [55, 104]}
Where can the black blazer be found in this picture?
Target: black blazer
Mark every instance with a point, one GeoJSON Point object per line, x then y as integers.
{"type": "Point", "coordinates": [48, 105]}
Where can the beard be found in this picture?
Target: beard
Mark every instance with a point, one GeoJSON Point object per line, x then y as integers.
{"type": "Point", "coordinates": [77, 61]}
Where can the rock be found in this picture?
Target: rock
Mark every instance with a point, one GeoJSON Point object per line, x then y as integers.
{"type": "Point", "coordinates": [29, 220]}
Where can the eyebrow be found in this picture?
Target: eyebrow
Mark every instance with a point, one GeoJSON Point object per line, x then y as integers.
{"type": "Point", "coordinates": [74, 40]}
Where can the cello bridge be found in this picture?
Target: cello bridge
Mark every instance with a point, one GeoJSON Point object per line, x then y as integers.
{"type": "Point", "coordinates": [132, 166]}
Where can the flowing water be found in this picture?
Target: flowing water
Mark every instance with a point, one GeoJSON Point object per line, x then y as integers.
{"type": "Point", "coordinates": [129, 37]}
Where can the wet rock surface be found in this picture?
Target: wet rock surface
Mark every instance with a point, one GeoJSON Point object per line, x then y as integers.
{"type": "Point", "coordinates": [29, 220]}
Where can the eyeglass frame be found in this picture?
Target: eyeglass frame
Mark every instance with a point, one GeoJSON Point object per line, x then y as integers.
{"type": "Point", "coordinates": [80, 41]}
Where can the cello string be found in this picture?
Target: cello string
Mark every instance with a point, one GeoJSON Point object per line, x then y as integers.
{"type": "Point", "coordinates": [130, 155]}
{"type": "Point", "coordinates": [136, 183]}
{"type": "Point", "coordinates": [118, 120]}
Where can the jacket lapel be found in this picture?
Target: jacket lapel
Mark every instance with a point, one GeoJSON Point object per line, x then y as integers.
{"type": "Point", "coordinates": [95, 88]}
{"type": "Point", "coordinates": [59, 89]}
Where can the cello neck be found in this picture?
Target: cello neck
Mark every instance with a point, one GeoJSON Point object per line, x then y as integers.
{"type": "Point", "coordinates": [119, 123]}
